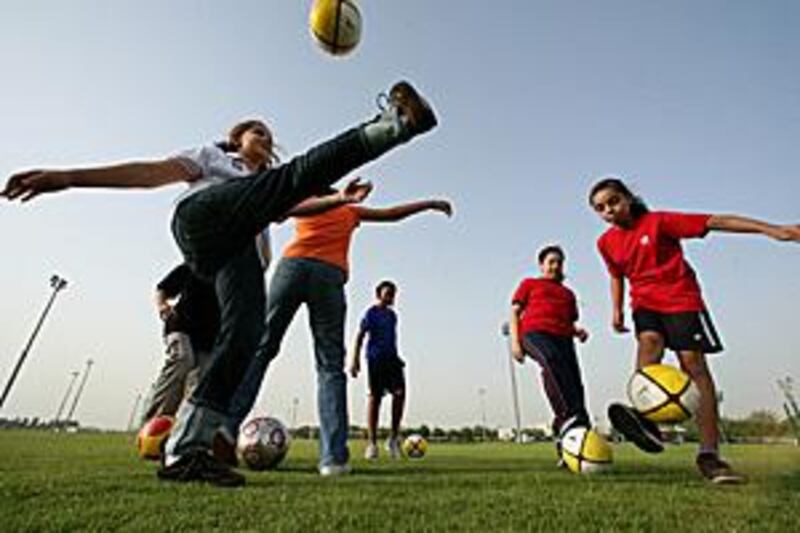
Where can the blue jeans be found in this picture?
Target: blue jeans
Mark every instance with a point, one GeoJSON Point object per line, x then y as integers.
{"type": "Point", "coordinates": [215, 230]}
{"type": "Point", "coordinates": [320, 286]}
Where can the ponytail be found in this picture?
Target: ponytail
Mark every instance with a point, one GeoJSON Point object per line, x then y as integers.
{"type": "Point", "coordinates": [638, 206]}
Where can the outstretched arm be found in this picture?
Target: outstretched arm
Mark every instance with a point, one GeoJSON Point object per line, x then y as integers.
{"type": "Point", "coordinates": [149, 174]}
{"type": "Point", "coordinates": [355, 192]}
{"type": "Point", "coordinates": [739, 224]}
{"type": "Point", "coordinates": [399, 212]}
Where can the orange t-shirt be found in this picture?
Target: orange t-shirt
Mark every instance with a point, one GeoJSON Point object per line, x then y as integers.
{"type": "Point", "coordinates": [325, 237]}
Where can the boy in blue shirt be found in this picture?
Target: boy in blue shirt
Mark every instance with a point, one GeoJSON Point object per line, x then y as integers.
{"type": "Point", "coordinates": [384, 367]}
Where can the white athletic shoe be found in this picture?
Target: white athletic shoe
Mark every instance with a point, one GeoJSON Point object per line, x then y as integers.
{"type": "Point", "coordinates": [393, 447]}
{"type": "Point", "coordinates": [334, 470]}
{"type": "Point", "coordinates": [371, 453]}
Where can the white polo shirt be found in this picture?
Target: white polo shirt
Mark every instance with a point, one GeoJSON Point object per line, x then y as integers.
{"type": "Point", "coordinates": [215, 166]}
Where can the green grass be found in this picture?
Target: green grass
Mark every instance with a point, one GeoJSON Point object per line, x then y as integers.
{"type": "Point", "coordinates": [95, 482]}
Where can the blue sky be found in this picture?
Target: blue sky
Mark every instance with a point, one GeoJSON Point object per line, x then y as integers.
{"type": "Point", "coordinates": [695, 104]}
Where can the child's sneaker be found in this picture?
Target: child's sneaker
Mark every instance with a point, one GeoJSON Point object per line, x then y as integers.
{"type": "Point", "coordinates": [200, 466]}
{"type": "Point", "coordinates": [417, 114]}
{"type": "Point", "coordinates": [404, 115]}
{"type": "Point", "coordinates": [637, 429]}
{"type": "Point", "coordinates": [334, 470]}
{"type": "Point", "coordinates": [223, 448]}
{"type": "Point", "coordinates": [717, 471]}
{"type": "Point", "coordinates": [371, 452]}
{"type": "Point", "coordinates": [393, 447]}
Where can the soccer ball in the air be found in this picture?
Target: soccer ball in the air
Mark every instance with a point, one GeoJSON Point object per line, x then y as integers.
{"type": "Point", "coordinates": [263, 443]}
{"type": "Point", "coordinates": [663, 394]}
{"type": "Point", "coordinates": [585, 451]}
{"type": "Point", "coordinates": [415, 446]}
{"type": "Point", "coordinates": [153, 435]}
{"type": "Point", "coordinates": [335, 25]}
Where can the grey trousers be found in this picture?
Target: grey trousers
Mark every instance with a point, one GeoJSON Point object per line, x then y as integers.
{"type": "Point", "coordinates": [178, 376]}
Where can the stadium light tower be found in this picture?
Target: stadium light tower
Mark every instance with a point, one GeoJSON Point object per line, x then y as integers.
{"type": "Point", "coordinates": [57, 283]}
{"type": "Point", "coordinates": [504, 329]}
{"type": "Point", "coordinates": [481, 395]}
{"type": "Point", "coordinates": [74, 375]}
{"type": "Point", "coordinates": [78, 393]}
{"type": "Point", "coordinates": [134, 411]}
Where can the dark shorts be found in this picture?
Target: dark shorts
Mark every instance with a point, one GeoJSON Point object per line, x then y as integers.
{"type": "Point", "coordinates": [689, 331]}
{"type": "Point", "coordinates": [386, 375]}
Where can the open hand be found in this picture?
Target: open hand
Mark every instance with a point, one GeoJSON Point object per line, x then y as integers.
{"type": "Point", "coordinates": [355, 191]}
{"type": "Point", "coordinates": [26, 185]}
{"type": "Point", "coordinates": [443, 206]}
{"type": "Point", "coordinates": [789, 232]}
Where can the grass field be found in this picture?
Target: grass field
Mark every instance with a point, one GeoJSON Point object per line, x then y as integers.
{"type": "Point", "coordinates": [95, 482]}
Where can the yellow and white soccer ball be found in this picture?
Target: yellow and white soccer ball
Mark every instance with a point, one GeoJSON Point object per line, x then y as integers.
{"type": "Point", "coordinates": [415, 446]}
{"type": "Point", "coordinates": [663, 394]}
{"type": "Point", "coordinates": [585, 451]}
{"type": "Point", "coordinates": [335, 25]}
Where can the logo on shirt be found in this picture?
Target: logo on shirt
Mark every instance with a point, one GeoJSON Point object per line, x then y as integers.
{"type": "Point", "coordinates": [645, 240]}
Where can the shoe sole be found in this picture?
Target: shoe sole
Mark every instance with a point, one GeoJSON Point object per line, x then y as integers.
{"type": "Point", "coordinates": [728, 480]}
{"type": "Point", "coordinates": [627, 424]}
{"type": "Point", "coordinates": [419, 113]}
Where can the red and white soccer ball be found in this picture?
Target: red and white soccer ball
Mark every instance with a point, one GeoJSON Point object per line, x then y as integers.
{"type": "Point", "coordinates": [263, 443]}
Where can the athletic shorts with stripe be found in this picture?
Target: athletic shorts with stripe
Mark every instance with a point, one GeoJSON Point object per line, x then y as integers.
{"type": "Point", "coordinates": [561, 376]}
{"type": "Point", "coordinates": [687, 331]}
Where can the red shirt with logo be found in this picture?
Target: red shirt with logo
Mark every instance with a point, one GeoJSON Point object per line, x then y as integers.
{"type": "Point", "coordinates": [548, 307]}
{"type": "Point", "coordinates": [649, 254]}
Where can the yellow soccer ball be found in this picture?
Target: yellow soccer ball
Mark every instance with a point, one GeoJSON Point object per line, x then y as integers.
{"type": "Point", "coordinates": [335, 25]}
{"type": "Point", "coordinates": [415, 446]}
{"type": "Point", "coordinates": [151, 437]}
{"type": "Point", "coordinates": [585, 451]}
{"type": "Point", "coordinates": [663, 394]}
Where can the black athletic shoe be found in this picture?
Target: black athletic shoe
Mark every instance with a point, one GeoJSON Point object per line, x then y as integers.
{"type": "Point", "coordinates": [418, 114]}
{"type": "Point", "coordinates": [718, 471]}
{"type": "Point", "coordinates": [200, 466]}
{"type": "Point", "coordinates": [637, 429]}
{"type": "Point", "coordinates": [224, 450]}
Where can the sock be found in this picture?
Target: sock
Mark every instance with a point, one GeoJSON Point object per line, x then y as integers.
{"type": "Point", "coordinates": [713, 450]}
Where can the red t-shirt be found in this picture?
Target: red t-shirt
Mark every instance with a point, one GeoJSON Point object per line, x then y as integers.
{"type": "Point", "coordinates": [548, 307]}
{"type": "Point", "coordinates": [649, 254]}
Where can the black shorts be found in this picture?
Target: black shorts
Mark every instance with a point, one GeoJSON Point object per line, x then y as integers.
{"type": "Point", "coordinates": [386, 375]}
{"type": "Point", "coordinates": [692, 330]}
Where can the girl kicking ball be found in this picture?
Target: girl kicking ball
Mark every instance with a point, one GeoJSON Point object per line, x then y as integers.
{"type": "Point", "coordinates": [669, 312]}
{"type": "Point", "coordinates": [233, 195]}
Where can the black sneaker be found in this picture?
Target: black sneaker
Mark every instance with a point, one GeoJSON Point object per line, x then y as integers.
{"type": "Point", "coordinates": [418, 114]}
{"type": "Point", "coordinates": [717, 471]}
{"type": "Point", "coordinates": [637, 429]}
{"type": "Point", "coordinates": [202, 467]}
{"type": "Point", "coordinates": [224, 449]}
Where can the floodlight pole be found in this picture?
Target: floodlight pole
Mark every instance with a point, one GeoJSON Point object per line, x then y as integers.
{"type": "Point", "coordinates": [57, 283]}
{"type": "Point", "coordinates": [505, 330]}
{"type": "Point", "coordinates": [134, 410]}
{"type": "Point", "coordinates": [78, 393]}
{"type": "Point", "coordinates": [481, 394]}
{"type": "Point", "coordinates": [75, 375]}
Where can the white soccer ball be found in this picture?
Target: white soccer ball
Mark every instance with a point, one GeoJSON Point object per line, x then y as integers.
{"type": "Point", "coordinates": [415, 446]}
{"type": "Point", "coordinates": [263, 443]}
{"type": "Point", "coordinates": [663, 394]}
{"type": "Point", "coordinates": [585, 451]}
